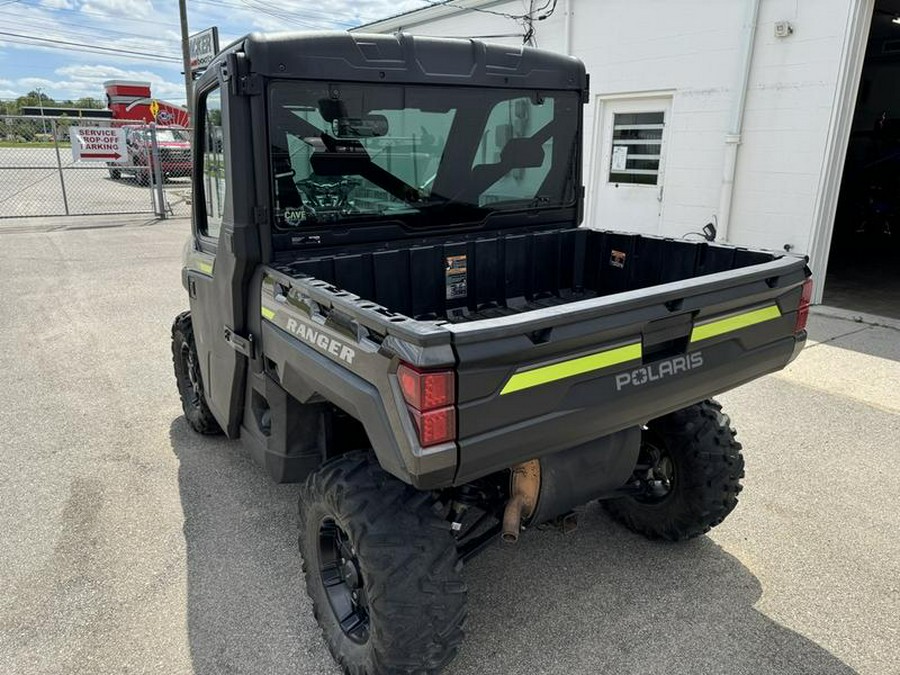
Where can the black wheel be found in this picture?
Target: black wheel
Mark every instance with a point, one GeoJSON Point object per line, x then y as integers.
{"type": "Point", "coordinates": [115, 174]}
{"type": "Point", "coordinates": [689, 472]}
{"type": "Point", "coordinates": [142, 176]}
{"type": "Point", "coordinates": [381, 568]}
{"type": "Point", "coordinates": [187, 375]}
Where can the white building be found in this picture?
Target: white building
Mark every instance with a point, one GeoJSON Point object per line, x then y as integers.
{"type": "Point", "coordinates": [754, 101]}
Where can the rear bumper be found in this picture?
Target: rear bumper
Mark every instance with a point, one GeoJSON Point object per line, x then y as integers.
{"type": "Point", "coordinates": [176, 168]}
{"type": "Point", "coordinates": [595, 408]}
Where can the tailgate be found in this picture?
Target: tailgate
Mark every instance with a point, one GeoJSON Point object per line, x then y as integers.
{"type": "Point", "coordinates": [546, 380]}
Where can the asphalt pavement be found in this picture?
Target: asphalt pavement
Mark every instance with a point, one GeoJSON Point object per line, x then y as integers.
{"type": "Point", "coordinates": [30, 185]}
{"type": "Point", "coordinates": [131, 545]}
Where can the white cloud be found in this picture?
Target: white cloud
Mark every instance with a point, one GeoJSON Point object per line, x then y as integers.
{"type": "Point", "coordinates": [58, 4]}
{"type": "Point", "coordinates": [91, 77]}
{"type": "Point", "coordinates": [129, 9]}
{"type": "Point", "coordinates": [35, 82]}
{"type": "Point", "coordinates": [77, 81]}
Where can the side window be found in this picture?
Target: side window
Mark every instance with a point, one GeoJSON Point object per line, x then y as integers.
{"type": "Point", "coordinates": [213, 163]}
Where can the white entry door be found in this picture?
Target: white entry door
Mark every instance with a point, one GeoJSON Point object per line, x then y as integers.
{"type": "Point", "coordinates": [629, 178]}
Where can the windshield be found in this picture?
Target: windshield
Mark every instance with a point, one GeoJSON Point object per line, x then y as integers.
{"type": "Point", "coordinates": [423, 154]}
{"type": "Point", "coordinates": [166, 135]}
{"type": "Point", "coordinates": [172, 136]}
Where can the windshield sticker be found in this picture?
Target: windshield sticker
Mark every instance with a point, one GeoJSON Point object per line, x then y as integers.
{"type": "Point", "coordinates": [457, 277]}
{"type": "Point", "coordinates": [294, 216]}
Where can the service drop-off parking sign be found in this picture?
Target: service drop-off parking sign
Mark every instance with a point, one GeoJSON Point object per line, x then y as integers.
{"type": "Point", "coordinates": [99, 144]}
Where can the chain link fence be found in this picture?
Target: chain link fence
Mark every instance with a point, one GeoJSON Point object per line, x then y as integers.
{"type": "Point", "coordinates": [39, 175]}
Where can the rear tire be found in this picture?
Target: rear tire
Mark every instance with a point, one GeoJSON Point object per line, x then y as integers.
{"type": "Point", "coordinates": [189, 379]}
{"type": "Point", "coordinates": [699, 465]}
{"type": "Point", "coordinates": [397, 604]}
{"type": "Point", "coordinates": [115, 174]}
{"type": "Point", "coordinates": [142, 176]}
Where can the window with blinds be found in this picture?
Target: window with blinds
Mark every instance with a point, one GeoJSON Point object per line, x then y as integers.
{"type": "Point", "coordinates": [636, 147]}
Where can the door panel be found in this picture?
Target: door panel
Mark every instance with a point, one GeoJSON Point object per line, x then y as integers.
{"type": "Point", "coordinates": [217, 303]}
{"type": "Point", "coordinates": [629, 180]}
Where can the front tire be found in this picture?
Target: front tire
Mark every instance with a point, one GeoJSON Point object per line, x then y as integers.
{"type": "Point", "coordinates": [381, 568]}
{"type": "Point", "coordinates": [691, 468]}
{"type": "Point", "coordinates": [188, 378]}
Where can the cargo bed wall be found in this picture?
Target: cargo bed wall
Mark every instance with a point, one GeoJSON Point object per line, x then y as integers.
{"type": "Point", "coordinates": [494, 276]}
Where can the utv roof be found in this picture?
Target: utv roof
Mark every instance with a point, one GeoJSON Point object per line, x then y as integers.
{"type": "Point", "coordinates": [402, 58]}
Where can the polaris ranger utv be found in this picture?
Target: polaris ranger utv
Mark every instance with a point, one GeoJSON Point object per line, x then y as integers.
{"type": "Point", "coordinates": [392, 302]}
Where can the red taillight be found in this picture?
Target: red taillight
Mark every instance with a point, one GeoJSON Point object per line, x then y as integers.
{"type": "Point", "coordinates": [803, 308]}
{"type": "Point", "coordinates": [430, 396]}
{"type": "Point", "coordinates": [426, 390]}
{"type": "Point", "coordinates": [435, 426]}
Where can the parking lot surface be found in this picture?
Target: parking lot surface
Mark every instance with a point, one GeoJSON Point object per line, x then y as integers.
{"type": "Point", "coordinates": [131, 545]}
{"type": "Point", "coordinates": [30, 186]}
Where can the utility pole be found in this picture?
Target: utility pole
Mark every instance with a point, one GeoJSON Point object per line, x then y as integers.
{"type": "Point", "coordinates": [186, 58]}
{"type": "Point", "coordinates": [40, 94]}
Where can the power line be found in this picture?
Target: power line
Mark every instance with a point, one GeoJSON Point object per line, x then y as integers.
{"type": "Point", "coordinates": [526, 20]}
{"type": "Point", "coordinates": [324, 18]}
{"type": "Point", "coordinates": [18, 37]}
{"type": "Point", "coordinates": [481, 10]}
{"type": "Point", "coordinates": [86, 12]}
{"type": "Point", "coordinates": [87, 34]}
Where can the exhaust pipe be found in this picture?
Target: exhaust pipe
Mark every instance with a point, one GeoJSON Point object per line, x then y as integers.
{"type": "Point", "coordinates": [524, 487]}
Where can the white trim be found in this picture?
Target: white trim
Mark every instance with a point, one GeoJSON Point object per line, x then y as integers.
{"type": "Point", "coordinates": [125, 83]}
{"type": "Point", "coordinates": [419, 16]}
{"type": "Point", "coordinates": [853, 52]}
{"type": "Point", "coordinates": [655, 93]}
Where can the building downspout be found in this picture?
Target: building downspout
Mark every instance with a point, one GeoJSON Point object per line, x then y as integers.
{"type": "Point", "coordinates": [567, 27]}
{"type": "Point", "coordinates": [736, 125]}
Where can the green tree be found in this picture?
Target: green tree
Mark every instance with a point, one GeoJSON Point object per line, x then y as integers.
{"type": "Point", "coordinates": [89, 102]}
{"type": "Point", "coordinates": [33, 98]}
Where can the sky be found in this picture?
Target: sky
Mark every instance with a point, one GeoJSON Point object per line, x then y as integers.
{"type": "Point", "coordinates": [149, 31]}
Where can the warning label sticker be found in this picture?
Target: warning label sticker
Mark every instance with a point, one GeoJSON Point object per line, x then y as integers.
{"type": "Point", "coordinates": [457, 279]}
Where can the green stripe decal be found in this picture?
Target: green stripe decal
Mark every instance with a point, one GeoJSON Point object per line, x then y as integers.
{"type": "Point", "coordinates": [583, 364]}
{"type": "Point", "coordinates": [204, 267]}
{"type": "Point", "coordinates": [734, 322]}
{"type": "Point", "coordinates": [268, 313]}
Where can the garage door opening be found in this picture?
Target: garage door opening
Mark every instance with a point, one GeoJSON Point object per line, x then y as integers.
{"type": "Point", "coordinates": [864, 264]}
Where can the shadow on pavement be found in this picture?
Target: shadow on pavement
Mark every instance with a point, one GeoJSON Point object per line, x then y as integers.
{"type": "Point", "coordinates": [597, 600]}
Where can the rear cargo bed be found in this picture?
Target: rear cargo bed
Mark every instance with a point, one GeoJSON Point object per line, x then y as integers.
{"type": "Point", "coordinates": [501, 275]}
{"type": "Point", "coordinates": [561, 337]}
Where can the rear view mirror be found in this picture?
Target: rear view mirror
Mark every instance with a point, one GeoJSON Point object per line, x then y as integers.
{"type": "Point", "coordinates": [522, 153]}
{"type": "Point", "coordinates": [369, 126]}
{"type": "Point", "coordinates": [331, 109]}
